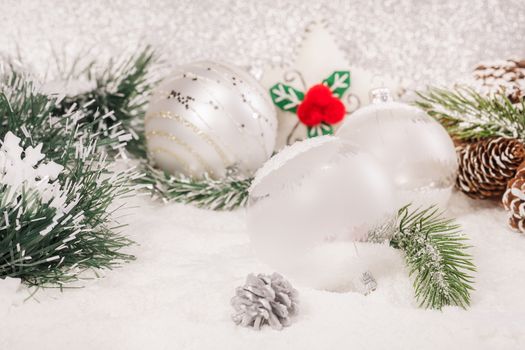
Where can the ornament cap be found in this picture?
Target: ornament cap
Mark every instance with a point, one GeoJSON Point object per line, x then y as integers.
{"type": "Point", "coordinates": [380, 95]}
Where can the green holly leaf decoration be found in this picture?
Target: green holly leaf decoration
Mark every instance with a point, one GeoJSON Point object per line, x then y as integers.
{"type": "Point", "coordinates": [286, 97]}
{"type": "Point", "coordinates": [321, 129]}
{"type": "Point", "coordinates": [338, 82]}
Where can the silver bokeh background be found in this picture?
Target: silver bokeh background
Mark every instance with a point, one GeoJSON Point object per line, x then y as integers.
{"type": "Point", "coordinates": [423, 42]}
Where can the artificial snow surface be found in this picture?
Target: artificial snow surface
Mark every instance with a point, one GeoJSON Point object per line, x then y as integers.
{"type": "Point", "coordinates": [176, 295]}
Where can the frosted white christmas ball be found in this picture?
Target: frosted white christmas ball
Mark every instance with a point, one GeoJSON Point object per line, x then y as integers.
{"type": "Point", "coordinates": [417, 151]}
{"type": "Point", "coordinates": [310, 203]}
{"type": "Point", "coordinates": [207, 117]}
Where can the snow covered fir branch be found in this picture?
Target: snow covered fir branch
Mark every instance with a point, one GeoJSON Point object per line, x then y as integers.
{"type": "Point", "coordinates": [436, 255]}
{"type": "Point", "coordinates": [56, 190]}
{"type": "Point", "coordinates": [467, 114]}
{"type": "Point", "coordinates": [115, 92]}
{"type": "Point", "coordinates": [228, 193]}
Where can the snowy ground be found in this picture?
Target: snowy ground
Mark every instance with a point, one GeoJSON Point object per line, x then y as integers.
{"type": "Point", "coordinates": [176, 295]}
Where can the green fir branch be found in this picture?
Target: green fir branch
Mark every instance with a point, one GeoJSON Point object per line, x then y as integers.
{"type": "Point", "coordinates": [120, 95]}
{"type": "Point", "coordinates": [27, 112]}
{"type": "Point", "coordinates": [84, 239]}
{"type": "Point", "coordinates": [228, 193]}
{"type": "Point", "coordinates": [70, 248]}
{"type": "Point", "coordinates": [469, 115]}
{"type": "Point", "coordinates": [436, 255]}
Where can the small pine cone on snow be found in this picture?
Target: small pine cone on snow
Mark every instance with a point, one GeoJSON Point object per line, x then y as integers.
{"type": "Point", "coordinates": [265, 299]}
{"type": "Point", "coordinates": [514, 200]}
{"type": "Point", "coordinates": [487, 165]}
{"type": "Point", "coordinates": [502, 77]}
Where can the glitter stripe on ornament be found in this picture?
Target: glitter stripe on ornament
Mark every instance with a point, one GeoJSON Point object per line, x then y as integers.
{"type": "Point", "coordinates": [247, 155]}
{"type": "Point", "coordinates": [225, 103]}
{"type": "Point", "coordinates": [171, 137]}
{"type": "Point", "coordinates": [241, 131]}
{"type": "Point", "coordinates": [217, 136]}
{"type": "Point", "coordinates": [177, 158]}
{"type": "Point", "coordinates": [194, 128]}
{"type": "Point", "coordinates": [257, 113]}
{"type": "Point", "coordinates": [223, 81]}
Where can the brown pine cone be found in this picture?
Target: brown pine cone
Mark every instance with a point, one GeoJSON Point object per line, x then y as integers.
{"type": "Point", "coordinates": [514, 200]}
{"type": "Point", "coordinates": [487, 165]}
{"type": "Point", "coordinates": [502, 77]}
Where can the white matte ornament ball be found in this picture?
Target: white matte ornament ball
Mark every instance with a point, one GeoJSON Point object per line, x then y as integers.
{"type": "Point", "coordinates": [311, 203]}
{"type": "Point", "coordinates": [208, 117]}
{"type": "Point", "coordinates": [417, 151]}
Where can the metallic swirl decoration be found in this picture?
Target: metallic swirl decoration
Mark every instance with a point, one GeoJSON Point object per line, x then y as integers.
{"type": "Point", "coordinates": [291, 76]}
{"type": "Point", "coordinates": [352, 100]}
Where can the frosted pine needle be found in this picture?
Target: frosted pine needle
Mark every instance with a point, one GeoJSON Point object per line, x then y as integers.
{"type": "Point", "coordinates": [225, 194]}
{"type": "Point", "coordinates": [436, 255]}
{"type": "Point", "coordinates": [55, 190]}
{"type": "Point", "coordinates": [112, 93]}
{"type": "Point", "coordinates": [468, 115]}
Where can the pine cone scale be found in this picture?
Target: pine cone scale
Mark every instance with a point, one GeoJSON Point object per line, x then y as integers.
{"type": "Point", "coordinates": [514, 200]}
{"type": "Point", "coordinates": [264, 299]}
{"type": "Point", "coordinates": [502, 77]}
{"type": "Point", "coordinates": [487, 165]}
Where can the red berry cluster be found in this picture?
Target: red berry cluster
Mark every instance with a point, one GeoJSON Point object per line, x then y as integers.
{"type": "Point", "coordinates": [320, 105]}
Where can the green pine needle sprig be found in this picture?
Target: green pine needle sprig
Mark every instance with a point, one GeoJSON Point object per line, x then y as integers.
{"type": "Point", "coordinates": [119, 95]}
{"type": "Point", "coordinates": [469, 115]}
{"type": "Point", "coordinates": [27, 112]}
{"type": "Point", "coordinates": [82, 240]}
{"type": "Point", "coordinates": [227, 193]}
{"type": "Point", "coordinates": [436, 255]}
{"type": "Point", "coordinates": [36, 245]}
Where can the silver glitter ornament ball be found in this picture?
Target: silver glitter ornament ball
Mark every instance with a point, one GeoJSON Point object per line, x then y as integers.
{"type": "Point", "coordinates": [417, 151]}
{"type": "Point", "coordinates": [208, 117]}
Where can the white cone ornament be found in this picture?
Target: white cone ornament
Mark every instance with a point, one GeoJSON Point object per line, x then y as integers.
{"type": "Point", "coordinates": [311, 203]}
{"type": "Point", "coordinates": [208, 117]}
{"type": "Point", "coordinates": [417, 151]}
